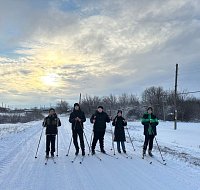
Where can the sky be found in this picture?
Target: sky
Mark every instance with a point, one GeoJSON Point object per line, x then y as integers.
{"type": "Point", "coordinates": [55, 49]}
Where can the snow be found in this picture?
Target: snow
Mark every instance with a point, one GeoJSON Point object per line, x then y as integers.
{"type": "Point", "coordinates": [21, 171]}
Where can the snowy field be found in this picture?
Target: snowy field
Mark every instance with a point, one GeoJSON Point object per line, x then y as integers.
{"type": "Point", "coordinates": [19, 170]}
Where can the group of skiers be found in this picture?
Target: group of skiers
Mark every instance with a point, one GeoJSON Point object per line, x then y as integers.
{"type": "Point", "coordinates": [99, 120]}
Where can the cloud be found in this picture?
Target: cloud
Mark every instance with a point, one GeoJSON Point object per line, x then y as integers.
{"type": "Point", "coordinates": [98, 48]}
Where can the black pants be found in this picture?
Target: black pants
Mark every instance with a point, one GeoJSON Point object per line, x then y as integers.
{"type": "Point", "coordinates": [75, 134]}
{"type": "Point", "coordinates": [148, 141]}
{"type": "Point", "coordinates": [50, 140]}
{"type": "Point", "coordinates": [98, 135]}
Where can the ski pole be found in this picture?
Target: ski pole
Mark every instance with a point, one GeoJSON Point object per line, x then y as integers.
{"type": "Point", "coordinates": [91, 140]}
{"type": "Point", "coordinates": [57, 135]}
{"type": "Point", "coordinates": [87, 142]}
{"type": "Point", "coordinates": [159, 150]}
{"type": "Point", "coordinates": [39, 143]}
{"type": "Point", "coordinates": [69, 147]}
{"type": "Point", "coordinates": [85, 137]}
{"type": "Point", "coordinates": [113, 146]}
{"type": "Point", "coordinates": [158, 146]}
{"type": "Point", "coordinates": [57, 145]}
{"type": "Point", "coordinates": [71, 140]}
{"type": "Point", "coordinates": [130, 138]}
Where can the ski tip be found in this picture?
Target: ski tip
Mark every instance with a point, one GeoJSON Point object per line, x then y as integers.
{"type": "Point", "coordinates": [150, 162]}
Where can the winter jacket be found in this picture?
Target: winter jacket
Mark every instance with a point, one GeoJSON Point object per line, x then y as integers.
{"type": "Point", "coordinates": [150, 121]}
{"type": "Point", "coordinates": [51, 123]}
{"type": "Point", "coordinates": [100, 121]}
{"type": "Point", "coordinates": [76, 125]}
{"type": "Point", "coordinates": [119, 133]}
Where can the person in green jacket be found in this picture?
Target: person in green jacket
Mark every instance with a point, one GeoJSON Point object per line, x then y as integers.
{"type": "Point", "coordinates": [150, 121]}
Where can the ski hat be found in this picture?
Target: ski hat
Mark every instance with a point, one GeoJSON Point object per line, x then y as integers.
{"type": "Point", "coordinates": [51, 109]}
{"type": "Point", "coordinates": [150, 108]}
{"type": "Point", "coordinates": [76, 104]}
{"type": "Point", "coordinates": [100, 107]}
{"type": "Point", "coordinates": [119, 111]}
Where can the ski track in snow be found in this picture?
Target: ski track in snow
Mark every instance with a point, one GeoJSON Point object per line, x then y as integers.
{"type": "Point", "coordinates": [20, 170]}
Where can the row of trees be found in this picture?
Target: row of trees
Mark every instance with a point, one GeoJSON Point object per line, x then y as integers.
{"type": "Point", "coordinates": [34, 115]}
{"type": "Point", "coordinates": [133, 107]}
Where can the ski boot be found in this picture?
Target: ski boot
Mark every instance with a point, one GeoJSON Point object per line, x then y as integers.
{"type": "Point", "coordinates": [83, 152]}
{"type": "Point", "coordinates": [143, 153]}
{"type": "Point", "coordinates": [77, 151]}
{"type": "Point", "coordinates": [93, 152]}
{"type": "Point", "coordinates": [103, 151]}
{"type": "Point", "coordinates": [150, 153]}
{"type": "Point", "coordinates": [47, 155]}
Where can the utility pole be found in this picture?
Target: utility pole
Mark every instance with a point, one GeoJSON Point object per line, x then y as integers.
{"type": "Point", "coordinates": [175, 99]}
{"type": "Point", "coordinates": [80, 99]}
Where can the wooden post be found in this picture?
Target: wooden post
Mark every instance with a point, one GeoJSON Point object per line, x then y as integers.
{"type": "Point", "coordinates": [175, 99]}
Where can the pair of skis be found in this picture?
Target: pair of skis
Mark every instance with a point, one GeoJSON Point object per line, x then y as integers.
{"type": "Point", "coordinates": [107, 154]}
{"type": "Point", "coordinates": [126, 155]}
{"type": "Point", "coordinates": [75, 158]}
{"type": "Point", "coordinates": [154, 158]}
{"type": "Point", "coordinates": [52, 158]}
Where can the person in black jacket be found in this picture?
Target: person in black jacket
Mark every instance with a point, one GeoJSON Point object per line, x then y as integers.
{"type": "Point", "coordinates": [119, 134]}
{"type": "Point", "coordinates": [77, 118]}
{"type": "Point", "coordinates": [150, 121]}
{"type": "Point", "coordinates": [51, 122]}
{"type": "Point", "coordinates": [99, 120]}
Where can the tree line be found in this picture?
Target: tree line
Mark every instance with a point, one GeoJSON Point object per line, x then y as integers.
{"type": "Point", "coordinates": [8, 117]}
{"type": "Point", "coordinates": [133, 107]}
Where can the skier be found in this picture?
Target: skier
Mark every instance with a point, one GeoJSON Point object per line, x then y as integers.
{"type": "Point", "coordinates": [51, 122]}
{"type": "Point", "coordinates": [119, 134]}
{"type": "Point", "coordinates": [150, 121]}
{"type": "Point", "coordinates": [99, 120]}
{"type": "Point", "coordinates": [77, 118]}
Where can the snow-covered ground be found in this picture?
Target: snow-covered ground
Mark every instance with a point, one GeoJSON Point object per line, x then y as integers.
{"type": "Point", "coordinates": [20, 170]}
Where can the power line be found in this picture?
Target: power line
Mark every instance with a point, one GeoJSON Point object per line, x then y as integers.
{"type": "Point", "coordinates": [192, 92]}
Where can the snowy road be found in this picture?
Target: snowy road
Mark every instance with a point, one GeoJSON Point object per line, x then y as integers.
{"type": "Point", "coordinates": [19, 170]}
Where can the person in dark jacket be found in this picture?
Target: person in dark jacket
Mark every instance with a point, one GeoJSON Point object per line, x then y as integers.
{"type": "Point", "coordinates": [150, 121]}
{"type": "Point", "coordinates": [77, 118]}
{"type": "Point", "coordinates": [99, 120]}
{"type": "Point", "coordinates": [51, 122]}
{"type": "Point", "coordinates": [119, 134]}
